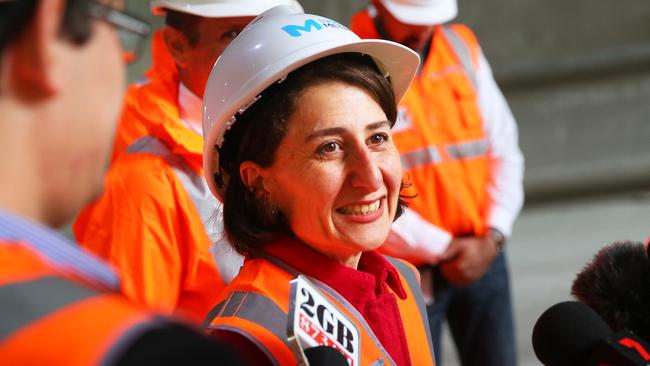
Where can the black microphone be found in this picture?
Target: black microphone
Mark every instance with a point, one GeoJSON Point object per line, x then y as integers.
{"type": "Point", "coordinates": [616, 284]}
{"type": "Point", "coordinates": [325, 356]}
{"type": "Point", "coordinates": [572, 334]}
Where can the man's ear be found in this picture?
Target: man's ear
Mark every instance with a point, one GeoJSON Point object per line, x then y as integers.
{"type": "Point", "coordinates": [177, 44]}
{"type": "Point", "coordinates": [34, 56]}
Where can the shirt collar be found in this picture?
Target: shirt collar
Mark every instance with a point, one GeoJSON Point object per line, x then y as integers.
{"type": "Point", "coordinates": [57, 249]}
{"type": "Point", "coordinates": [190, 108]}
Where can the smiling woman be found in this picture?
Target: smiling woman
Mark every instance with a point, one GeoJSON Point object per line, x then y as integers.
{"type": "Point", "coordinates": [324, 149]}
{"type": "Point", "coordinates": [299, 149]}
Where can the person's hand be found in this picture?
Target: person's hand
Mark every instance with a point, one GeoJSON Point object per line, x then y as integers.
{"type": "Point", "coordinates": [467, 259]}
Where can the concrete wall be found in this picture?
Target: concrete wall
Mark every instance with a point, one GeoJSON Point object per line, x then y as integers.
{"type": "Point", "coordinates": [577, 76]}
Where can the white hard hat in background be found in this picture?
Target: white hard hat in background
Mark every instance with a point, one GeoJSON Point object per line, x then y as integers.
{"type": "Point", "coordinates": [275, 43]}
{"type": "Point", "coordinates": [422, 12]}
{"type": "Point", "coordinates": [220, 8]}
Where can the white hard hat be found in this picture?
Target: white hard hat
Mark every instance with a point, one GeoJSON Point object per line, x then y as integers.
{"type": "Point", "coordinates": [220, 8]}
{"type": "Point", "coordinates": [422, 12]}
{"type": "Point", "coordinates": [275, 43]}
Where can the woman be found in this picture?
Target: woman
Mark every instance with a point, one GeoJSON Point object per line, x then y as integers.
{"type": "Point", "coordinates": [297, 118]}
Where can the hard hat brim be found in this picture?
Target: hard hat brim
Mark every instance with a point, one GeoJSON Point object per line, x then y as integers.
{"type": "Point", "coordinates": [439, 12]}
{"type": "Point", "coordinates": [220, 10]}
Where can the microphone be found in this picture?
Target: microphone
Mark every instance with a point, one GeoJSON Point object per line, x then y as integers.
{"type": "Point", "coordinates": [616, 284]}
{"type": "Point", "coordinates": [318, 332]}
{"type": "Point", "coordinates": [325, 356]}
{"type": "Point", "coordinates": [572, 334]}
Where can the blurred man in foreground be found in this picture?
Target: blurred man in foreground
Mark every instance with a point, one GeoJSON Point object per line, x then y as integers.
{"type": "Point", "coordinates": [61, 80]}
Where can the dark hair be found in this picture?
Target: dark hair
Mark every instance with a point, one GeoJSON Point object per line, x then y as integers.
{"type": "Point", "coordinates": [15, 15]}
{"type": "Point", "coordinates": [184, 23]}
{"type": "Point", "coordinates": [248, 221]}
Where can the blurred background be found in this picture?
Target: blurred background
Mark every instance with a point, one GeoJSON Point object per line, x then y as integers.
{"type": "Point", "coordinates": [577, 77]}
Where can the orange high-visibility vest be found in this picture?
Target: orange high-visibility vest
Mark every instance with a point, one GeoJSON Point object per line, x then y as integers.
{"type": "Point", "coordinates": [147, 222]}
{"type": "Point", "coordinates": [54, 316]}
{"type": "Point", "coordinates": [440, 132]}
{"type": "Point", "coordinates": [255, 304]}
{"type": "Point", "coordinates": [151, 103]}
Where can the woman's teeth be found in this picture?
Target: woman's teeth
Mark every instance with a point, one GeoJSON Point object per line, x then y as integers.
{"type": "Point", "coordinates": [360, 209]}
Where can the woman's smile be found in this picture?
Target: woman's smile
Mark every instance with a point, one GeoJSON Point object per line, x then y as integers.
{"type": "Point", "coordinates": [362, 212]}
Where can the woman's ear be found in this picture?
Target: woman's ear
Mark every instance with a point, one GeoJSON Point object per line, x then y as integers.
{"type": "Point", "coordinates": [177, 44]}
{"type": "Point", "coordinates": [252, 175]}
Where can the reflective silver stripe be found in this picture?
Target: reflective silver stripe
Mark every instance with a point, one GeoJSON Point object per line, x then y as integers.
{"type": "Point", "coordinates": [463, 52]}
{"type": "Point", "coordinates": [418, 158]}
{"type": "Point", "coordinates": [255, 308]}
{"type": "Point", "coordinates": [23, 303]}
{"type": "Point", "coordinates": [209, 208]}
{"type": "Point", "coordinates": [413, 283]}
{"type": "Point", "coordinates": [467, 150]}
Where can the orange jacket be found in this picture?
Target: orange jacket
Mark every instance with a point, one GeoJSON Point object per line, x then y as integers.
{"type": "Point", "coordinates": [256, 304]}
{"type": "Point", "coordinates": [56, 316]}
{"type": "Point", "coordinates": [145, 223]}
{"type": "Point", "coordinates": [441, 136]}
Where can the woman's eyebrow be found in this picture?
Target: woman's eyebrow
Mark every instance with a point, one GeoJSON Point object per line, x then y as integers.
{"type": "Point", "coordinates": [340, 130]}
{"type": "Point", "coordinates": [378, 125]}
{"type": "Point", "coordinates": [325, 132]}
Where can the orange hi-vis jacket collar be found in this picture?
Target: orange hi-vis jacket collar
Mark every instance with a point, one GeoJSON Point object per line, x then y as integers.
{"type": "Point", "coordinates": [151, 109]}
{"type": "Point", "coordinates": [59, 310]}
{"type": "Point", "coordinates": [256, 304]}
{"type": "Point", "coordinates": [440, 133]}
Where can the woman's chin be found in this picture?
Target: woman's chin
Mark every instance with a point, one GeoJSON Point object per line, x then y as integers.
{"type": "Point", "coordinates": [365, 241]}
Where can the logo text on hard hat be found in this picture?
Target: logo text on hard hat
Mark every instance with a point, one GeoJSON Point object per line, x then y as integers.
{"type": "Point", "coordinates": [295, 30]}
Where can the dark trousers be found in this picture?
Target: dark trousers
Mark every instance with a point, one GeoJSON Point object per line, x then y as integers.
{"type": "Point", "coordinates": [480, 317]}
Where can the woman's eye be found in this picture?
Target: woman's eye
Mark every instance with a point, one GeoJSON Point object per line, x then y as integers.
{"type": "Point", "coordinates": [378, 139]}
{"type": "Point", "coordinates": [328, 148]}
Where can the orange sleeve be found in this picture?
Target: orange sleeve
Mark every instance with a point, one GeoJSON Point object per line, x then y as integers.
{"type": "Point", "coordinates": [137, 227]}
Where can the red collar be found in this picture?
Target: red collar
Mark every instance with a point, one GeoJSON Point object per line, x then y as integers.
{"type": "Point", "coordinates": [373, 276]}
{"type": "Point", "coordinates": [366, 288]}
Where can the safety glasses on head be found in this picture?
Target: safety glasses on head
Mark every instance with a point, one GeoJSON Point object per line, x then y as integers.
{"type": "Point", "coordinates": [275, 43]}
{"type": "Point", "coordinates": [131, 31]}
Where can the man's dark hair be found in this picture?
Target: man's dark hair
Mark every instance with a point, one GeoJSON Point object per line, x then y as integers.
{"type": "Point", "coordinates": [188, 24]}
{"type": "Point", "coordinates": [15, 15]}
{"type": "Point", "coordinates": [258, 132]}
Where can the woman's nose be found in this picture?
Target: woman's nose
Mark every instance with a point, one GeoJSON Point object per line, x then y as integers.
{"type": "Point", "coordinates": [365, 171]}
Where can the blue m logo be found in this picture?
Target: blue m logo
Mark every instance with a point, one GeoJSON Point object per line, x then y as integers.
{"type": "Point", "coordinates": [294, 30]}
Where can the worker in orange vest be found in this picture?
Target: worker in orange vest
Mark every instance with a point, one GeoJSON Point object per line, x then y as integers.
{"type": "Point", "coordinates": [458, 143]}
{"type": "Point", "coordinates": [157, 221]}
{"type": "Point", "coordinates": [60, 89]}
